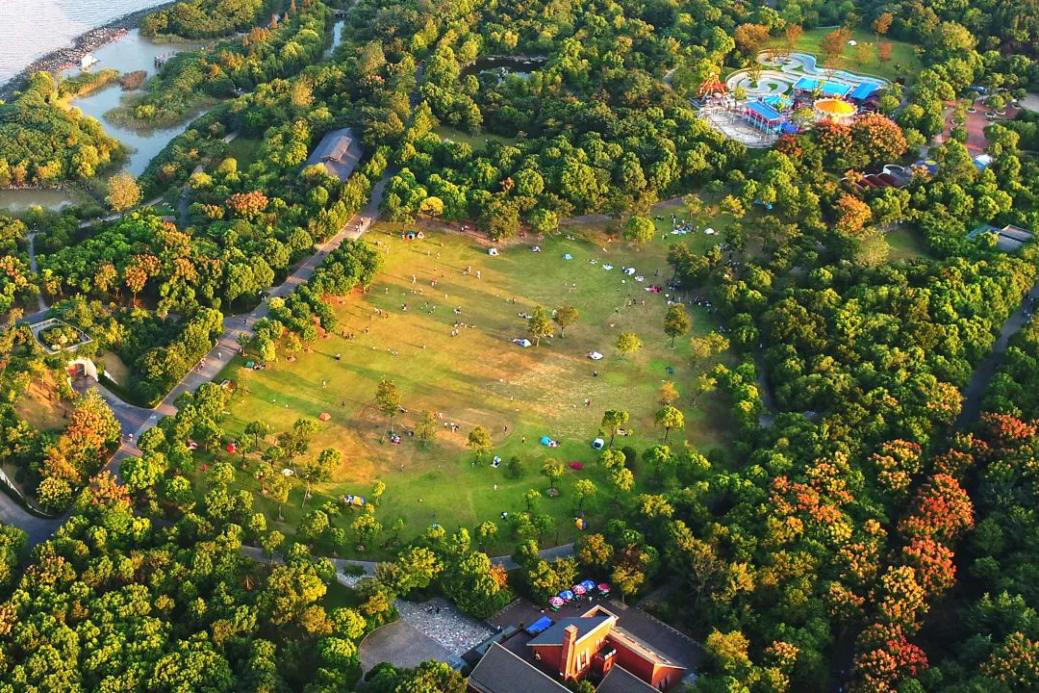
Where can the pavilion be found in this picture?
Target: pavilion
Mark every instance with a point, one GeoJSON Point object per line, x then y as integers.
{"type": "Point", "coordinates": [863, 92]}
{"type": "Point", "coordinates": [762, 116]}
{"type": "Point", "coordinates": [807, 85]}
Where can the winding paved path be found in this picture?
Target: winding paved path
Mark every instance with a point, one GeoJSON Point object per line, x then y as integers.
{"type": "Point", "coordinates": [974, 393]}
{"type": "Point", "coordinates": [136, 420]}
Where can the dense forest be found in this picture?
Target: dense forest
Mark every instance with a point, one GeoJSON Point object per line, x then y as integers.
{"type": "Point", "coordinates": [859, 531]}
{"type": "Point", "coordinates": [44, 143]}
{"type": "Point", "coordinates": [206, 18]}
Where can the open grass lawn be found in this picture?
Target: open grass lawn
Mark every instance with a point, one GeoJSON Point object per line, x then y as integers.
{"type": "Point", "coordinates": [245, 150]}
{"type": "Point", "coordinates": [115, 368]}
{"type": "Point", "coordinates": [477, 142]}
{"type": "Point", "coordinates": [480, 377]}
{"type": "Point", "coordinates": [41, 405]}
{"type": "Point", "coordinates": [905, 245]}
{"type": "Point", "coordinates": [904, 61]}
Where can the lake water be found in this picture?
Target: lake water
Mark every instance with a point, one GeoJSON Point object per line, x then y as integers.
{"type": "Point", "coordinates": [337, 38]}
{"type": "Point", "coordinates": [21, 200]}
{"type": "Point", "coordinates": [29, 29]}
{"type": "Point", "coordinates": [130, 53]}
{"type": "Point", "coordinates": [519, 65]}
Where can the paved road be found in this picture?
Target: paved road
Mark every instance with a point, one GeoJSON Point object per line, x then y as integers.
{"type": "Point", "coordinates": [342, 564]}
{"type": "Point", "coordinates": [975, 390]}
{"type": "Point", "coordinates": [35, 268]}
{"type": "Point", "coordinates": [136, 420]}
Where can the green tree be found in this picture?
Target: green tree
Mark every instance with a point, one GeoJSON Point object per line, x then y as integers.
{"type": "Point", "coordinates": [584, 489]}
{"type": "Point", "coordinates": [628, 343]}
{"type": "Point", "coordinates": [553, 471]}
{"type": "Point", "coordinates": [539, 325]}
{"type": "Point", "coordinates": [639, 230]}
{"type": "Point", "coordinates": [426, 429]}
{"type": "Point", "coordinates": [318, 469]}
{"type": "Point", "coordinates": [123, 192]}
{"type": "Point", "coordinates": [613, 420]}
{"type": "Point", "coordinates": [257, 430]}
{"type": "Point", "coordinates": [670, 418]}
{"type": "Point", "coordinates": [387, 398]}
{"type": "Point", "coordinates": [479, 441]}
{"type": "Point", "coordinates": [565, 316]}
{"type": "Point", "coordinates": [676, 322]}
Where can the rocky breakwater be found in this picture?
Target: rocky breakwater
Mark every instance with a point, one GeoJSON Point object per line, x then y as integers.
{"type": "Point", "coordinates": [84, 44]}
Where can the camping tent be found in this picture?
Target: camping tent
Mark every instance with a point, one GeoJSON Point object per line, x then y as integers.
{"type": "Point", "coordinates": [540, 625]}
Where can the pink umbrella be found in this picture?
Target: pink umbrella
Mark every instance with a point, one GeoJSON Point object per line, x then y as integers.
{"type": "Point", "coordinates": [604, 588]}
{"type": "Point", "coordinates": [555, 601]}
{"type": "Point", "coordinates": [578, 590]}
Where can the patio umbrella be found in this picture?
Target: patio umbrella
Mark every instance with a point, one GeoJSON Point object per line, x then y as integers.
{"type": "Point", "coordinates": [555, 602]}
{"type": "Point", "coordinates": [588, 585]}
{"type": "Point", "coordinates": [604, 588]}
{"type": "Point", "coordinates": [579, 590]}
{"type": "Point", "coordinates": [566, 595]}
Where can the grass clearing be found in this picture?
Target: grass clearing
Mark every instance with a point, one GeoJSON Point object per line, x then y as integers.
{"type": "Point", "coordinates": [115, 369]}
{"type": "Point", "coordinates": [904, 61]}
{"type": "Point", "coordinates": [41, 405]}
{"type": "Point", "coordinates": [480, 377]}
{"type": "Point", "coordinates": [905, 245]}
{"type": "Point", "coordinates": [245, 150]}
{"type": "Point", "coordinates": [477, 142]}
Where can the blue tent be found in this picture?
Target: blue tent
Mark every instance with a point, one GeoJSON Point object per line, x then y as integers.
{"type": "Point", "coordinates": [863, 91]}
{"type": "Point", "coordinates": [764, 111]}
{"type": "Point", "coordinates": [540, 625]}
{"type": "Point", "coordinates": [835, 89]}
{"type": "Point", "coordinates": [806, 84]}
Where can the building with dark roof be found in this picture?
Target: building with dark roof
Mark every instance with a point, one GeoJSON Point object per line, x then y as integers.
{"type": "Point", "coordinates": [1009, 239]}
{"type": "Point", "coordinates": [591, 646]}
{"type": "Point", "coordinates": [339, 152]}
{"type": "Point", "coordinates": [620, 680]}
{"type": "Point", "coordinates": [501, 671]}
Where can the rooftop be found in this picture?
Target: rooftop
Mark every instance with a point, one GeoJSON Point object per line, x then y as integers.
{"type": "Point", "coordinates": [863, 91]}
{"type": "Point", "coordinates": [1009, 239]}
{"type": "Point", "coordinates": [554, 634]}
{"type": "Point", "coordinates": [501, 671]}
{"type": "Point", "coordinates": [339, 152]}
{"type": "Point", "coordinates": [764, 111]}
{"type": "Point", "coordinates": [620, 680]}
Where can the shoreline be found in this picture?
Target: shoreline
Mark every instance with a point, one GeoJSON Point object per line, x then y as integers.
{"type": "Point", "coordinates": [87, 42]}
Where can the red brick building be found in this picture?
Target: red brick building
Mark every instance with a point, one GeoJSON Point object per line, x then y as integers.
{"type": "Point", "coordinates": [591, 646]}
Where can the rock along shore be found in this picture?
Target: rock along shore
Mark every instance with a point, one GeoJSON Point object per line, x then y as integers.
{"type": "Point", "coordinates": [85, 43]}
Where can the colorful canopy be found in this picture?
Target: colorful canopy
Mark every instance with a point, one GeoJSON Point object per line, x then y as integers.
{"type": "Point", "coordinates": [603, 587]}
{"type": "Point", "coordinates": [764, 112]}
{"type": "Point", "coordinates": [556, 602]}
{"type": "Point", "coordinates": [542, 623]}
{"type": "Point", "coordinates": [588, 585]}
{"type": "Point", "coordinates": [863, 91]}
{"type": "Point", "coordinates": [566, 596]}
{"type": "Point", "coordinates": [579, 590]}
{"type": "Point", "coordinates": [835, 89]}
{"type": "Point", "coordinates": [806, 84]}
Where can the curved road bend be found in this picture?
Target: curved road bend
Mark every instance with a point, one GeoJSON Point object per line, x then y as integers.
{"type": "Point", "coordinates": [975, 390]}
{"type": "Point", "coordinates": [136, 420]}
